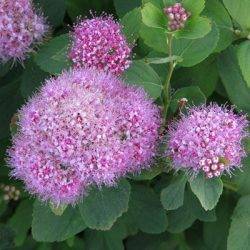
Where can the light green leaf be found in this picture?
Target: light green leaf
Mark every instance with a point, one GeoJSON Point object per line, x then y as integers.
{"type": "Point", "coordinates": [243, 53]}
{"type": "Point", "coordinates": [217, 12]}
{"type": "Point", "coordinates": [195, 7]}
{"type": "Point", "coordinates": [101, 208]}
{"type": "Point", "coordinates": [195, 51]}
{"type": "Point", "coordinates": [143, 75]}
{"type": "Point", "coordinates": [239, 10]}
{"type": "Point", "coordinates": [48, 227]}
{"type": "Point", "coordinates": [239, 233]}
{"type": "Point", "coordinates": [131, 23]}
{"type": "Point", "coordinates": [53, 56]}
{"type": "Point", "coordinates": [196, 27]}
{"type": "Point", "coordinates": [154, 38]}
{"type": "Point", "coordinates": [208, 191]}
{"type": "Point", "coordinates": [20, 222]}
{"type": "Point", "coordinates": [148, 174]}
{"type": "Point", "coordinates": [146, 210]}
{"type": "Point", "coordinates": [172, 196]}
{"type": "Point", "coordinates": [233, 81]}
{"type": "Point", "coordinates": [153, 16]}
{"type": "Point", "coordinates": [193, 95]}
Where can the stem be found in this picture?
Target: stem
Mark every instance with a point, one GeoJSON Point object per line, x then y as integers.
{"type": "Point", "coordinates": [166, 86]}
{"type": "Point", "coordinates": [229, 185]}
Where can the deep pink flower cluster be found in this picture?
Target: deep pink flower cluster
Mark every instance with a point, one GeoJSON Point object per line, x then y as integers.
{"type": "Point", "coordinates": [20, 28]}
{"type": "Point", "coordinates": [84, 127]}
{"type": "Point", "coordinates": [99, 43]}
{"type": "Point", "coordinates": [208, 139]}
{"type": "Point", "coordinates": [177, 16]}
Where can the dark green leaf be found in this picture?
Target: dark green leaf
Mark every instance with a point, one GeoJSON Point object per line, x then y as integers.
{"type": "Point", "coordinates": [53, 10]}
{"type": "Point", "coordinates": [172, 196]}
{"type": "Point", "coordinates": [148, 174]}
{"type": "Point", "coordinates": [239, 232]}
{"type": "Point", "coordinates": [46, 226]}
{"type": "Point", "coordinates": [146, 210]}
{"type": "Point", "coordinates": [233, 81]}
{"type": "Point", "coordinates": [124, 6]}
{"type": "Point", "coordinates": [20, 222]}
{"type": "Point", "coordinates": [101, 208]}
{"type": "Point", "coordinates": [6, 238]}
{"type": "Point", "coordinates": [53, 56]}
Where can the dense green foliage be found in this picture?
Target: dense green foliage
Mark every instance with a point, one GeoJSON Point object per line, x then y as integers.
{"type": "Point", "coordinates": [158, 209]}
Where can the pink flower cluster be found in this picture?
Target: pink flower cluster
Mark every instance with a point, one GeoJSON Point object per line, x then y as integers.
{"type": "Point", "coordinates": [208, 139]}
{"type": "Point", "coordinates": [177, 16]}
{"type": "Point", "coordinates": [99, 43]}
{"type": "Point", "coordinates": [20, 28]}
{"type": "Point", "coordinates": [83, 128]}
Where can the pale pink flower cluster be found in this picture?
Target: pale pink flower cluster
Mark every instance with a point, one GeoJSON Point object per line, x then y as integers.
{"type": "Point", "coordinates": [20, 28]}
{"type": "Point", "coordinates": [99, 43]}
{"type": "Point", "coordinates": [177, 16]}
{"type": "Point", "coordinates": [83, 128]}
{"type": "Point", "coordinates": [208, 139]}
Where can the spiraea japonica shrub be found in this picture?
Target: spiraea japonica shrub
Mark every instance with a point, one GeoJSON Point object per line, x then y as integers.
{"type": "Point", "coordinates": [124, 124]}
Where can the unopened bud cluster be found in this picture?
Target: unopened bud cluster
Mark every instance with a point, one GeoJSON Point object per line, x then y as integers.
{"type": "Point", "coordinates": [177, 16]}
{"type": "Point", "coordinates": [10, 192]}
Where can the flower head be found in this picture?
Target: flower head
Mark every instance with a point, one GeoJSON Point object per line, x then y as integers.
{"type": "Point", "coordinates": [177, 16]}
{"type": "Point", "coordinates": [208, 139]}
{"type": "Point", "coordinates": [20, 28]}
{"type": "Point", "coordinates": [99, 43]}
{"type": "Point", "coordinates": [84, 127]}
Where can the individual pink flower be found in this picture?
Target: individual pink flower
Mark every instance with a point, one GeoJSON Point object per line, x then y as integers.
{"type": "Point", "coordinates": [99, 43]}
{"type": "Point", "coordinates": [20, 28]}
{"type": "Point", "coordinates": [177, 16]}
{"type": "Point", "coordinates": [208, 139]}
{"type": "Point", "coordinates": [83, 128]}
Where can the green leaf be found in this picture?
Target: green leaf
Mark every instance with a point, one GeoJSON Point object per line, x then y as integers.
{"type": "Point", "coordinates": [239, 232]}
{"type": "Point", "coordinates": [195, 7]}
{"type": "Point", "coordinates": [20, 222]}
{"type": "Point", "coordinates": [204, 75]}
{"type": "Point", "coordinates": [243, 53]}
{"type": "Point", "coordinates": [143, 75]}
{"type": "Point", "coordinates": [32, 78]}
{"type": "Point", "coordinates": [239, 10]}
{"type": "Point", "coordinates": [146, 210]}
{"type": "Point", "coordinates": [193, 94]}
{"type": "Point", "coordinates": [154, 38]}
{"type": "Point", "coordinates": [215, 233]}
{"type": "Point", "coordinates": [208, 191]}
{"type": "Point", "coordinates": [217, 12]}
{"type": "Point", "coordinates": [53, 10]}
{"type": "Point", "coordinates": [57, 209]}
{"type": "Point", "coordinates": [183, 217]}
{"type": "Point", "coordinates": [53, 56]}
{"type": "Point", "coordinates": [46, 226]}
{"type": "Point", "coordinates": [195, 51]}
{"type": "Point", "coordinates": [196, 27]}
{"type": "Point", "coordinates": [6, 238]}
{"type": "Point", "coordinates": [4, 68]}
{"type": "Point", "coordinates": [106, 240]}
{"type": "Point", "coordinates": [131, 23]}
{"type": "Point", "coordinates": [153, 16]}
{"type": "Point", "coordinates": [122, 7]}
{"type": "Point", "coordinates": [148, 174]}
{"type": "Point", "coordinates": [233, 81]}
{"type": "Point", "coordinates": [172, 197]}
{"type": "Point", "coordinates": [101, 208]}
